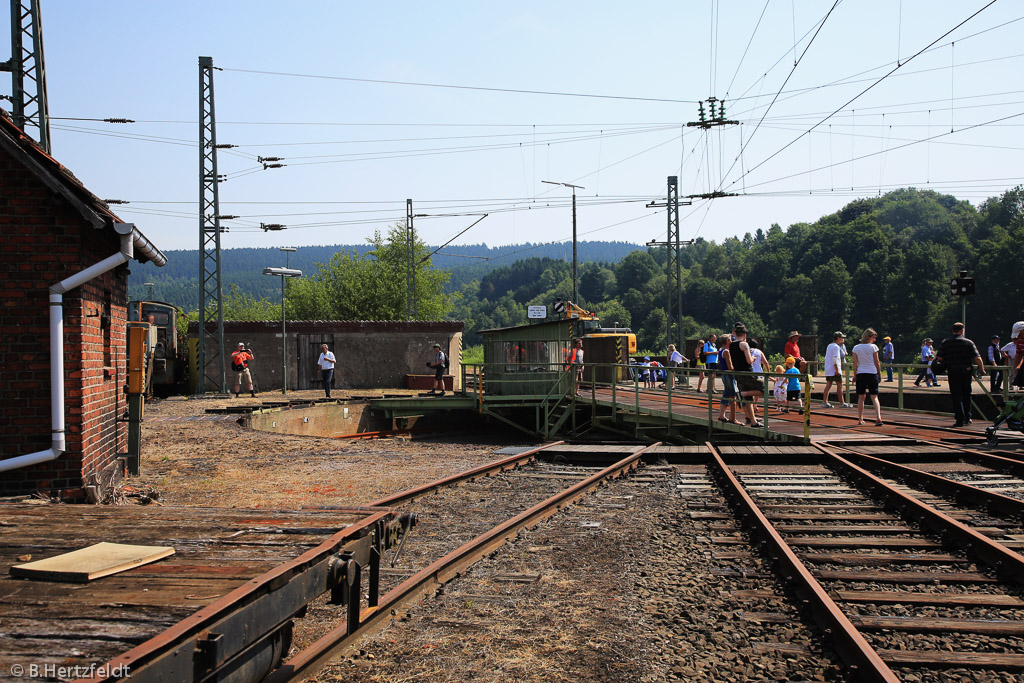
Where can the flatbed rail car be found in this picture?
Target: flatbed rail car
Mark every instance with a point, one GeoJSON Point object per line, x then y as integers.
{"type": "Point", "coordinates": [222, 607]}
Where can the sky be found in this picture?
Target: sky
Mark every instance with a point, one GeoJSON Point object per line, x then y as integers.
{"type": "Point", "coordinates": [466, 108]}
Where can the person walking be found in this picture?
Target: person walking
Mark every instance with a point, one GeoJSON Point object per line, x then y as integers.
{"type": "Point", "coordinates": [240, 364]}
{"type": "Point", "coordinates": [868, 369]}
{"type": "Point", "coordinates": [994, 356]}
{"type": "Point", "coordinates": [889, 356]}
{"type": "Point", "coordinates": [834, 370]}
{"type": "Point", "coordinates": [750, 388]}
{"type": "Point", "coordinates": [927, 355]}
{"type": "Point", "coordinates": [326, 364]}
{"type": "Point", "coordinates": [959, 355]}
{"type": "Point", "coordinates": [729, 393]}
{"type": "Point", "coordinates": [710, 351]}
{"type": "Point", "coordinates": [440, 363]}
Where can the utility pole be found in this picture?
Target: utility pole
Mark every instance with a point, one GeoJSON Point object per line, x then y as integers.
{"type": "Point", "coordinates": [28, 71]}
{"type": "Point", "coordinates": [211, 293]}
{"type": "Point", "coordinates": [717, 118]}
{"type": "Point", "coordinates": [410, 263]}
{"type": "Point", "coordinates": [575, 293]}
{"type": "Point", "coordinates": [673, 264]}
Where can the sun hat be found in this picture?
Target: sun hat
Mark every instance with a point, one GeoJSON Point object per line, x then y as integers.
{"type": "Point", "coordinates": [792, 334]}
{"type": "Point", "coordinates": [791, 361]}
{"type": "Point", "coordinates": [886, 338]}
{"type": "Point", "coordinates": [647, 357]}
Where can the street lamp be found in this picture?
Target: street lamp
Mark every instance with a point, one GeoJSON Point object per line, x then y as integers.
{"type": "Point", "coordinates": [575, 298]}
{"type": "Point", "coordinates": [283, 273]}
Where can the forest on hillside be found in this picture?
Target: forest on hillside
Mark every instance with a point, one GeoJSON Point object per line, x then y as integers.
{"type": "Point", "coordinates": [243, 268]}
{"type": "Point", "coordinates": [884, 262]}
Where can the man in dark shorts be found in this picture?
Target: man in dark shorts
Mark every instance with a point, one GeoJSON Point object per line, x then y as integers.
{"type": "Point", "coordinates": [960, 356]}
{"type": "Point", "coordinates": [749, 387]}
{"type": "Point", "coordinates": [438, 364]}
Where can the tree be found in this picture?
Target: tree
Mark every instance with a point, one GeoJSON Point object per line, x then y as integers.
{"type": "Point", "coordinates": [741, 310]}
{"type": "Point", "coordinates": [372, 286]}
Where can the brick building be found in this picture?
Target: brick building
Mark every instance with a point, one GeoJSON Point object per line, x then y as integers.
{"type": "Point", "coordinates": [63, 300]}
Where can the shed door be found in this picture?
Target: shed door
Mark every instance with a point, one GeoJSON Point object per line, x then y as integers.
{"type": "Point", "coordinates": [307, 353]}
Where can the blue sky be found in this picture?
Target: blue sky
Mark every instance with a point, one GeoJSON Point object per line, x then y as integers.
{"type": "Point", "coordinates": [356, 150]}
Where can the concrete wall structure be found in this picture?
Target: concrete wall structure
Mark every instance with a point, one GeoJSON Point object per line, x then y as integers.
{"type": "Point", "coordinates": [370, 354]}
{"type": "Point", "coordinates": [51, 228]}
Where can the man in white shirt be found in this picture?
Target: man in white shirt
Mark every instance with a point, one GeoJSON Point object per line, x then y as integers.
{"type": "Point", "coordinates": [438, 365]}
{"type": "Point", "coordinates": [326, 364]}
{"type": "Point", "coordinates": [834, 370]}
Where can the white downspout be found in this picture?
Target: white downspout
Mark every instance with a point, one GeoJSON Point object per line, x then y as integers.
{"type": "Point", "coordinates": [58, 443]}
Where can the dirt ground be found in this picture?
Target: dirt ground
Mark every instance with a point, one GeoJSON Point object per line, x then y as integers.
{"type": "Point", "coordinates": [196, 459]}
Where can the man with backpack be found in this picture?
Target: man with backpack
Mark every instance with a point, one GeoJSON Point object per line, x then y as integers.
{"type": "Point", "coordinates": [240, 364]}
{"type": "Point", "coordinates": [440, 364]}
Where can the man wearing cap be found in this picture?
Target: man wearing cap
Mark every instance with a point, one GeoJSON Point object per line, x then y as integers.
{"type": "Point", "coordinates": [1014, 352]}
{"type": "Point", "coordinates": [960, 355]}
{"type": "Point", "coordinates": [888, 357]}
{"type": "Point", "coordinates": [834, 370]}
{"type": "Point", "coordinates": [326, 363]}
{"type": "Point", "coordinates": [792, 348]}
{"type": "Point", "coordinates": [994, 356]}
{"type": "Point", "coordinates": [240, 364]}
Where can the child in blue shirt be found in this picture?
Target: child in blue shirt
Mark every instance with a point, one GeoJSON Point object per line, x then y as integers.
{"type": "Point", "coordinates": [793, 390]}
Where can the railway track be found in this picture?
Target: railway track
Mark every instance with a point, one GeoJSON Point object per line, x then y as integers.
{"type": "Point", "coordinates": [894, 579]}
{"type": "Point", "coordinates": [496, 531]}
{"type": "Point", "coordinates": [900, 587]}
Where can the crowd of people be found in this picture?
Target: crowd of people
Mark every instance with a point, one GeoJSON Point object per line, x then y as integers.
{"type": "Point", "coordinates": [956, 356]}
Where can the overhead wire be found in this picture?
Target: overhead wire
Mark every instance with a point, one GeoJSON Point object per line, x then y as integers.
{"type": "Point", "coordinates": [520, 91]}
{"type": "Point", "coordinates": [861, 93]}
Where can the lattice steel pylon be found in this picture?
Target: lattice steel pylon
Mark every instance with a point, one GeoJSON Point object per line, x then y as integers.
{"type": "Point", "coordinates": [673, 265]}
{"type": "Point", "coordinates": [28, 71]}
{"type": "Point", "coordinates": [410, 264]}
{"type": "Point", "coordinates": [211, 294]}
{"type": "Point", "coordinates": [673, 268]}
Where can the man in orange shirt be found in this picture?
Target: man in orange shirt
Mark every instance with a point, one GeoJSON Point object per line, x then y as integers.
{"type": "Point", "coordinates": [793, 349]}
{"type": "Point", "coordinates": [240, 364]}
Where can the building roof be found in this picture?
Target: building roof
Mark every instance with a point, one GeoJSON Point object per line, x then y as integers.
{"type": "Point", "coordinates": [321, 326]}
{"type": "Point", "coordinates": [64, 183]}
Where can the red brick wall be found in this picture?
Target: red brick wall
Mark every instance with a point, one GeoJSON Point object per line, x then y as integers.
{"type": "Point", "coordinates": [43, 240]}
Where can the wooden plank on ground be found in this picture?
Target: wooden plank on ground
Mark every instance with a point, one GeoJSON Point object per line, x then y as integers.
{"type": "Point", "coordinates": [943, 658]}
{"type": "Point", "coordinates": [95, 561]}
{"type": "Point", "coordinates": [938, 599]}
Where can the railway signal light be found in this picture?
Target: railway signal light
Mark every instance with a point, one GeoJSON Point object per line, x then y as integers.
{"type": "Point", "coordinates": [961, 285]}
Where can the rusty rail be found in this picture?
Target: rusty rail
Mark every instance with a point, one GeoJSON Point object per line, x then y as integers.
{"type": "Point", "coordinates": [1008, 563]}
{"type": "Point", "coordinates": [849, 642]}
{"type": "Point", "coordinates": [993, 501]}
{"type": "Point", "coordinates": [508, 463]}
{"type": "Point", "coordinates": [311, 659]}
